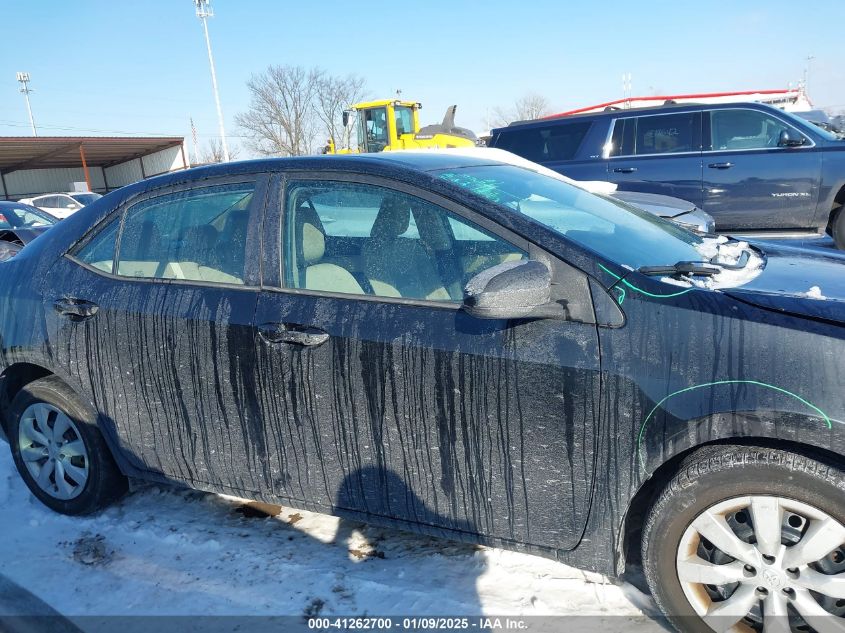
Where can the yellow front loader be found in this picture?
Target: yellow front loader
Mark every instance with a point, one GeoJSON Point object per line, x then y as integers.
{"type": "Point", "coordinates": [390, 125]}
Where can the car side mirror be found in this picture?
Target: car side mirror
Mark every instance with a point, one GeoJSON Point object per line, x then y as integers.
{"type": "Point", "coordinates": [346, 118]}
{"type": "Point", "coordinates": [790, 140]}
{"type": "Point", "coordinates": [512, 290]}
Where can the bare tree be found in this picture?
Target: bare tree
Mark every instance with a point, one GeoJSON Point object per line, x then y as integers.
{"type": "Point", "coordinates": [334, 95]}
{"type": "Point", "coordinates": [280, 119]}
{"type": "Point", "coordinates": [530, 106]}
{"type": "Point", "coordinates": [293, 110]}
{"type": "Point", "coordinates": [213, 152]}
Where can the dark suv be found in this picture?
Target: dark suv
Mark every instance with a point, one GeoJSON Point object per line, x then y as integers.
{"type": "Point", "coordinates": [749, 165]}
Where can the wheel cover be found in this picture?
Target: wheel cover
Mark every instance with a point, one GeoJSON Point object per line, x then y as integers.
{"type": "Point", "coordinates": [764, 563]}
{"type": "Point", "coordinates": [53, 452]}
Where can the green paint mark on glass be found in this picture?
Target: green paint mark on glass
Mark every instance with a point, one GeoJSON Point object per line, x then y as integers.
{"type": "Point", "coordinates": [640, 290]}
{"type": "Point", "coordinates": [621, 296]}
{"type": "Point", "coordinates": [715, 384]}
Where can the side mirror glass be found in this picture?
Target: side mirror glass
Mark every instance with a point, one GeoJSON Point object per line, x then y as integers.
{"type": "Point", "coordinates": [512, 290]}
{"type": "Point", "coordinates": [346, 118]}
{"type": "Point", "coordinates": [790, 140]}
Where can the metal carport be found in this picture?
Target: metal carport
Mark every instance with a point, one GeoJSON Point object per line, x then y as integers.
{"type": "Point", "coordinates": [34, 165]}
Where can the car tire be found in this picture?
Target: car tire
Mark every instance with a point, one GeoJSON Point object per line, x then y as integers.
{"type": "Point", "coordinates": [729, 487]}
{"type": "Point", "coordinates": [837, 228]}
{"type": "Point", "coordinates": [73, 473]}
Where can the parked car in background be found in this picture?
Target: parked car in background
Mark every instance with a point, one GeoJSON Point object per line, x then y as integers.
{"type": "Point", "coordinates": [498, 357]}
{"type": "Point", "coordinates": [19, 225]}
{"type": "Point", "coordinates": [749, 165]}
{"type": "Point", "coordinates": [61, 205]}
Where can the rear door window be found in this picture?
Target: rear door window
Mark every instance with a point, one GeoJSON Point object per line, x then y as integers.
{"type": "Point", "coordinates": [197, 235]}
{"type": "Point", "coordinates": [666, 134]}
{"type": "Point", "coordinates": [193, 235]}
{"type": "Point", "coordinates": [560, 141]}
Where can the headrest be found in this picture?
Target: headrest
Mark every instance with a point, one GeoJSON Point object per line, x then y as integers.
{"type": "Point", "coordinates": [204, 236]}
{"type": "Point", "coordinates": [140, 242]}
{"type": "Point", "coordinates": [393, 218]}
{"type": "Point", "coordinates": [312, 237]}
{"type": "Point", "coordinates": [236, 222]}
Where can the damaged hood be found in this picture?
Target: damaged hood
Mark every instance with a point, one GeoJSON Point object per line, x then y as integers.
{"type": "Point", "coordinates": [798, 281]}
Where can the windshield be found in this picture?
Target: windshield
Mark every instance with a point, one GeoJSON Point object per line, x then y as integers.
{"type": "Point", "coordinates": [624, 234]}
{"type": "Point", "coordinates": [22, 217]}
{"type": "Point", "coordinates": [824, 133]}
{"type": "Point", "coordinates": [85, 198]}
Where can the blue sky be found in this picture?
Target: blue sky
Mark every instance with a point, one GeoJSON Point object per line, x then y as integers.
{"type": "Point", "coordinates": [100, 66]}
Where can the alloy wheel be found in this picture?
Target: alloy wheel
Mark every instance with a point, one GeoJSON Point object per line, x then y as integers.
{"type": "Point", "coordinates": [53, 451]}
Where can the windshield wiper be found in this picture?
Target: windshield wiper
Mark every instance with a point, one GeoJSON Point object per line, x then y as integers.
{"type": "Point", "coordinates": [681, 268]}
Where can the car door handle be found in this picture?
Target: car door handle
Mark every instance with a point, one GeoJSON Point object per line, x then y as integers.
{"type": "Point", "coordinates": [76, 309]}
{"type": "Point", "coordinates": [625, 170]}
{"type": "Point", "coordinates": [292, 334]}
{"type": "Point", "coordinates": [720, 165]}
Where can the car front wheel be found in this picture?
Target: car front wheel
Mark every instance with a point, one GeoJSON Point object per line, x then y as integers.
{"type": "Point", "coordinates": [749, 539]}
{"type": "Point", "coordinates": [837, 228]}
{"type": "Point", "coordinates": [59, 451]}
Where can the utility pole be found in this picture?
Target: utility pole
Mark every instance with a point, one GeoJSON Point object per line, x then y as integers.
{"type": "Point", "coordinates": [204, 11]}
{"type": "Point", "coordinates": [806, 82]}
{"type": "Point", "coordinates": [196, 145]}
{"type": "Point", "coordinates": [23, 79]}
{"type": "Point", "coordinates": [626, 89]}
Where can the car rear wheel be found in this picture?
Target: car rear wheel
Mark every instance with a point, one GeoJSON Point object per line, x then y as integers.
{"type": "Point", "coordinates": [748, 539]}
{"type": "Point", "coordinates": [59, 451]}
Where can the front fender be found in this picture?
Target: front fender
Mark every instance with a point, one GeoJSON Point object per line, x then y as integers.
{"type": "Point", "coordinates": [723, 409]}
{"type": "Point", "coordinates": [797, 428]}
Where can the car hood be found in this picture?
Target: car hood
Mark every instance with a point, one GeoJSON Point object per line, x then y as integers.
{"type": "Point", "coordinates": [664, 206]}
{"type": "Point", "coordinates": [798, 281]}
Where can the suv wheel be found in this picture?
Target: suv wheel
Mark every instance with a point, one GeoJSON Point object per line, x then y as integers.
{"type": "Point", "coordinates": [749, 539]}
{"type": "Point", "coordinates": [59, 451]}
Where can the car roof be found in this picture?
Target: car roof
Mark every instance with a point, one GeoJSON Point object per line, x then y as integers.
{"type": "Point", "coordinates": [398, 165]}
{"type": "Point", "coordinates": [380, 163]}
{"type": "Point", "coordinates": [13, 204]}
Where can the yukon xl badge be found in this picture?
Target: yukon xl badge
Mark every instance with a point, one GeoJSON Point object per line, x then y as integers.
{"type": "Point", "coordinates": [792, 194]}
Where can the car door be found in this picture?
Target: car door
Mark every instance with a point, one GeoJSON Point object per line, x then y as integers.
{"type": "Point", "coordinates": [750, 182]}
{"type": "Point", "coordinates": [382, 397]}
{"type": "Point", "coordinates": [154, 317]}
{"type": "Point", "coordinates": [657, 153]}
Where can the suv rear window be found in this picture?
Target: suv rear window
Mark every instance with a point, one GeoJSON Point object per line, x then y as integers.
{"type": "Point", "coordinates": [543, 144]}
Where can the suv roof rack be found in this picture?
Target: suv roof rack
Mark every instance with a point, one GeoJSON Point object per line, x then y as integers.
{"type": "Point", "coordinates": [668, 104]}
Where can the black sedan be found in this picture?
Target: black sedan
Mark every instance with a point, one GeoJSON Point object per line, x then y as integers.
{"type": "Point", "coordinates": [454, 346]}
{"type": "Point", "coordinates": [19, 225]}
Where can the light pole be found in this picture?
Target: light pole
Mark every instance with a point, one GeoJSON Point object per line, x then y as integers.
{"type": "Point", "coordinates": [23, 79]}
{"type": "Point", "coordinates": [809, 60]}
{"type": "Point", "coordinates": [204, 11]}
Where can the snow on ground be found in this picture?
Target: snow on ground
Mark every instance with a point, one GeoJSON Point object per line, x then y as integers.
{"type": "Point", "coordinates": [162, 551]}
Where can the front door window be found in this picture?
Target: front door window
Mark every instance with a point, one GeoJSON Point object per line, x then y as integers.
{"type": "Point", "coordinates": [367, 240]}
